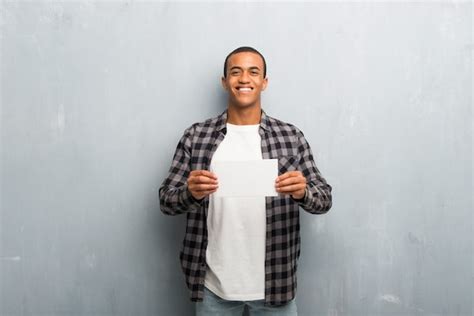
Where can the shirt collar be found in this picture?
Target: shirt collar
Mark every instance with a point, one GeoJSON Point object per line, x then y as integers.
{"type": "Point", "coordinates": [222, 121]}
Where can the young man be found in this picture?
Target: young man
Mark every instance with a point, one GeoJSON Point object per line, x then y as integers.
{"type": "Point", "coordinates": [242, 251]}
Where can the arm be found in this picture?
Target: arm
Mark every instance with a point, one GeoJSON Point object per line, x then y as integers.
{"type": "Point", "coordinates": [175, 197]}
{"type": "Point", "coordinates": [317, 198]}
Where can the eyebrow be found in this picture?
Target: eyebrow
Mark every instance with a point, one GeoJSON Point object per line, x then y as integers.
{"type": "Point", "coordinates": [238, 67]}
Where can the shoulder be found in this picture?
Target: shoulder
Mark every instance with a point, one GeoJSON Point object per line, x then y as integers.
{"type": "Point", "coordinates": [204, 128]}
{"type": "Point", "coordinates": [283, 128]}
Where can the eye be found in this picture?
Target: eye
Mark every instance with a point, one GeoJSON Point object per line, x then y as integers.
{"type": "Point", "coordinates": [235, 72]}
{"type": "Point", "coordinates": [254, 72]}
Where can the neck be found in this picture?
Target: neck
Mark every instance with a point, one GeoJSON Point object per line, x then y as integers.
{"type": "Point", "coordinates": [244, 116]}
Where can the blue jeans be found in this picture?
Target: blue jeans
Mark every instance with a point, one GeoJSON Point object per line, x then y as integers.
{"type": "Point", "coordinates": [213, 305]}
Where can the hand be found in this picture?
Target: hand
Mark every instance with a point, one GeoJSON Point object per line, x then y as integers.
{"type": "Point", "coordinates": [201, 183]}
{"type": "Point", "coordinates": [293, 183]}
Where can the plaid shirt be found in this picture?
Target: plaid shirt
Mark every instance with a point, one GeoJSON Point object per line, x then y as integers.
{"type": "Point", "coordinates": [280, 141]}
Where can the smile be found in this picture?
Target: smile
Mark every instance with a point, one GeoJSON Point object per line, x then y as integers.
{"type": "Point", "coordinates": [244, 89]}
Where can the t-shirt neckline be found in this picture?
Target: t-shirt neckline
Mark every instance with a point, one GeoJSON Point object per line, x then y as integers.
{"type": "Point", "coordinates": [242, 127]}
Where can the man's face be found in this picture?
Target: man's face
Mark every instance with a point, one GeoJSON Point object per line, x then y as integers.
{"type": "Point", "coordinates": [244, 81]}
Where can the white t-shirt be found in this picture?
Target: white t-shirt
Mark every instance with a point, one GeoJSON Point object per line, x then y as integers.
{"type": "Point", "coordinates": [236, 227]}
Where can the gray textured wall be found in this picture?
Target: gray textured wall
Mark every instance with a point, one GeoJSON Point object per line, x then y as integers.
{"type": "Point", "coordinates": [95, 95]}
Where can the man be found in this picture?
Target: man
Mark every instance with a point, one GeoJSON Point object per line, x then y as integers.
{"type": "Point", "coordinates": [241, 251]}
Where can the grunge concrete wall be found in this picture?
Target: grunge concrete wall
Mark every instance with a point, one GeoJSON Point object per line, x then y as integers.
{"type": "Point", "coordinates": [95, 95]}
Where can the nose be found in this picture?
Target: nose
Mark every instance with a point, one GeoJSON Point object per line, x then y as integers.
{"type": "Point", "coordinates": [244, 78]}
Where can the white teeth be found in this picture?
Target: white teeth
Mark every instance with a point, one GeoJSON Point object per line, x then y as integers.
{"type": "Point", "coordinates": [245, 89]}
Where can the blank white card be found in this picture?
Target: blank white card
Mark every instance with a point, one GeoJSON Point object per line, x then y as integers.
{"type": "Point", "coordinates": [246, 178]}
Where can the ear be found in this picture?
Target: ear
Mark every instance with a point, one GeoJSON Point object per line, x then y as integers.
{"type": "Point", "coordinates": [224, 84]}
{"type": "Point", "coordinates": [265, 83]}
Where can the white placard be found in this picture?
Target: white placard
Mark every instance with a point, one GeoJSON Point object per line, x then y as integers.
{"type": "Point", "coordinates": [246, 178]}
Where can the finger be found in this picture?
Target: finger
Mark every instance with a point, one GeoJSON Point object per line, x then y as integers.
{"type": "Point", "coordinates": [291, 188]}
{"type": "Point", "coordinates": [292, 180]}
{"type": "Point", "coordinates": [288, 174]}
{"type": "Point", "coordinates": [203, 173]}
{"type": "Point", "coordinates": [203, 187]}
{"type": "Point", "coordinates": [206, 179]}
{"type": "Point", "coordinates": [202, 179]}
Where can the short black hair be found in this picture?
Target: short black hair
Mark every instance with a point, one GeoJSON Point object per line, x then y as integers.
{"type": "Point", "coordinates": [246, 49]}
